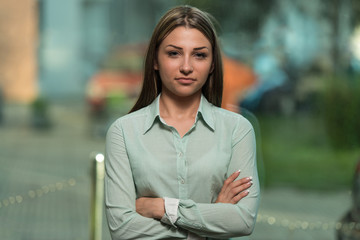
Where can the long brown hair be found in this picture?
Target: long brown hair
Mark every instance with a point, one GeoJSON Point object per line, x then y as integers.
{"type": "Point", "coordinates": [189, 17]}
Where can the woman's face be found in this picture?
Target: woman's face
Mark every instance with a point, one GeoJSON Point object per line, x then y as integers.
{"type": "Point", "coordinates": [184, 62]}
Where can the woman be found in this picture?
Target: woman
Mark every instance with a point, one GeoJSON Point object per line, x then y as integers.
{"type": "Point", "coordinates": [172, 163]}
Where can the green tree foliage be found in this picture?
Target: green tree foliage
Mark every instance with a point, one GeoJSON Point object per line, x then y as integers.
{"type": "Point", "coordinates": [340, 108]}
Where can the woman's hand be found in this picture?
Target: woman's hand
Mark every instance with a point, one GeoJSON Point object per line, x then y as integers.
{"type": "Point", "coordinates": [150, 207]}
{"type": "Point", "coordinates": [233, 191]}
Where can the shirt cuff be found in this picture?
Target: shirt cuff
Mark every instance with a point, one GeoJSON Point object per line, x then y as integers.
{"type": "Point", "coordinates": [171, 211]}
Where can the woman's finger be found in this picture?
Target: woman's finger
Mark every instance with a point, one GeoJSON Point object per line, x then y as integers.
{"type": "Point", "coordinates": [240, 196]}
{"type": "Point", "coordinates": [241, 181]}
{"type": "Point", "coordinates": [241, 188]}
{"type": "Point", "coordinates": [231, 178]}
{"type": "Point", "coordinates": [232, 188]}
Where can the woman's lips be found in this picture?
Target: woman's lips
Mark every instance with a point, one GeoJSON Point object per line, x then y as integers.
{"type": "Point", "coordinates": [185, 80]}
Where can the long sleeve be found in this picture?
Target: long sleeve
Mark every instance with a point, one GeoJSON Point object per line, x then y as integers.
{"type": "Point", "coordinates": [227, 220]}
{"type": "Point", "coordinates": [120, 196]}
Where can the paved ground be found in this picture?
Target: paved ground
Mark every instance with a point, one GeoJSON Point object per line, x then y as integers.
{"type": "Point", "coordinates": [45, 185]}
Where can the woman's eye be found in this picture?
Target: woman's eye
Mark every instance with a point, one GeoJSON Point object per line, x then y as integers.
{"type": "Point", "coordinates": [172, 54]}
{"type": "Point", "coordinates": [200, 55]}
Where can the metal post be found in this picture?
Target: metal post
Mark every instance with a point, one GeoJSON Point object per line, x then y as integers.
{"type": "Point", "coordinates": [97, 196]}
{"type": "Point", "coordinates": [1, 107]}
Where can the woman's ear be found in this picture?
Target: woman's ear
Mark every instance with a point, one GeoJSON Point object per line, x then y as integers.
{"type": "Point", "coordinates": [156, 66]}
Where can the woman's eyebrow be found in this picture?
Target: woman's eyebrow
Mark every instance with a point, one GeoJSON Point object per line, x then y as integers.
{"type": "Point", "coordinates": [170, 45]}
{"type": "Point", "coordinates": [199, 48]}
{"type": "Point", "coordinates": [180, 48]}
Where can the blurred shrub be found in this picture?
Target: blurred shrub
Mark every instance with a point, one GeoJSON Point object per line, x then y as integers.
{"type": "Point", "coordinates": [40, 114]}
{"type": "Point", "coordinates": [118, 103]}
{"type": "Point", "coordinates": [340, 108]}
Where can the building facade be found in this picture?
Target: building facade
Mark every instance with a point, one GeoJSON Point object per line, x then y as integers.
{"type": "Point", "coordinates": [18, 44]}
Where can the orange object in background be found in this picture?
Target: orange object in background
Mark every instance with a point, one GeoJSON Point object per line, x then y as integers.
{"type": "Point", "coordinates": [104, 83]}
{"type": "Point", "coordinates": [238, 78]}
{"type": "Point", "coordinates": [121, 77]}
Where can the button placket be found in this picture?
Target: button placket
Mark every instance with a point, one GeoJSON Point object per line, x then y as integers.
{"type": "Point", "coordinates": [181, 165]}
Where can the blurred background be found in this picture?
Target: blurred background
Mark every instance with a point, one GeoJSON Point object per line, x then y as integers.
{"type": "Point", "coordinates": [69, 68]}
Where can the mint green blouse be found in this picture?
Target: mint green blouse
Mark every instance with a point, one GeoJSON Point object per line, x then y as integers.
{"type": "Point", "coordinates": [145, 157]}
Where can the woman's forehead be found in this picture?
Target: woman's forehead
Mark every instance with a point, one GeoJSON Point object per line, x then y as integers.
{"type": "Point", "coordinates": [185, 36]}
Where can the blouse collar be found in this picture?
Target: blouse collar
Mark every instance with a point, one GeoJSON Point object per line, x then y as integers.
{"type": "Point", "coordinates": [204, 112]}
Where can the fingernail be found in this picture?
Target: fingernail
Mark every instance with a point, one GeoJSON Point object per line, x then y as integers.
{"type": "Point", "coordinates": [239, 170]}
{"type": "Point", "coordinates": [250, 177]}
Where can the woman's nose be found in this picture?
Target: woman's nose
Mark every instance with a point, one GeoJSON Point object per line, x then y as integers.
{"type": "Point", "coordinates": [186, 67]}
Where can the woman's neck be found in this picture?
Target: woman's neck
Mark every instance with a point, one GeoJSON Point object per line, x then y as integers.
{"type": "Point", "coordinates": [179, 108]}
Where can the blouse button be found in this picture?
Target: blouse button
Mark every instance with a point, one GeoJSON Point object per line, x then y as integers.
{"type": "Point", "coordinates": [182, 181]}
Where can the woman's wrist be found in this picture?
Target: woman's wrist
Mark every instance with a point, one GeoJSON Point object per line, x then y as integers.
{"type": "Point", "coordinates": [150, 207]}
{"type": "Point", "coordinates": [159, 209]}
